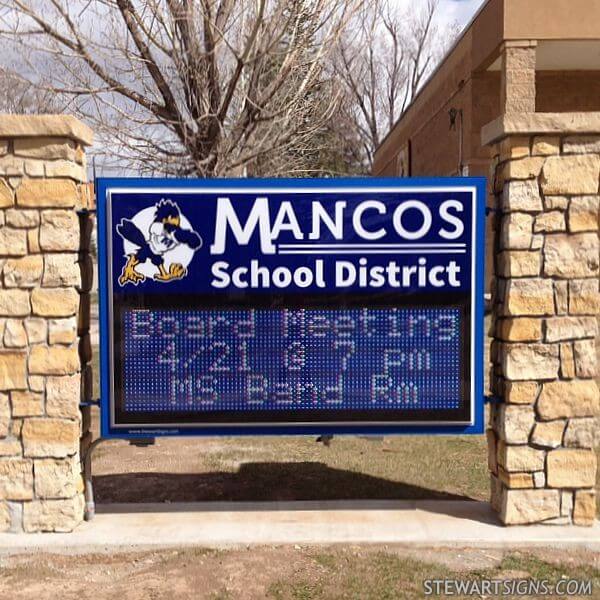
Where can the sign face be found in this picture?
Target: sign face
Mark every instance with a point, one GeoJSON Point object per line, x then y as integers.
{"type": "Point", "coordinates": [291, 306]}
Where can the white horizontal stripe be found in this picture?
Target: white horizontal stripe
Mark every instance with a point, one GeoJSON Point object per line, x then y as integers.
{"type": "Point", "coordinates": [342, 245]}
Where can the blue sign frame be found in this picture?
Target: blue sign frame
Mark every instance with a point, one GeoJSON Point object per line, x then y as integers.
{"type": "Point", "coordinates": [371, 185]}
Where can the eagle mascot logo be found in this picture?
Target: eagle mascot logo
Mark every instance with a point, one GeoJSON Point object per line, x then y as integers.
{"type": "Point", "coordinates": [159, 244]}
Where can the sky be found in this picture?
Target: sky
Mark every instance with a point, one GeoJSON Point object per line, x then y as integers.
{"type": "Point", "coordinates": [449, 11]}
{"type": "Point", "coordinates": [459, 11]}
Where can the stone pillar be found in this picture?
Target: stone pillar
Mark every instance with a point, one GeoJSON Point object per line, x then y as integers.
{"type": "Point", "coordinates": [546, 302]}
{"type": "Point", "coordinates": [518, 76]}
{"type": "Point", "coordinates": [42, 186]}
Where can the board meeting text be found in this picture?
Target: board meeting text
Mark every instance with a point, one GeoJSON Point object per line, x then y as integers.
{"type": "Point", "coordinates": [255, 357]}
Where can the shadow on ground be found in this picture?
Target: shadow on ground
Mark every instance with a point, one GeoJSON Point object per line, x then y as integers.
{"type": "Point", "coordinates": [270, 481]}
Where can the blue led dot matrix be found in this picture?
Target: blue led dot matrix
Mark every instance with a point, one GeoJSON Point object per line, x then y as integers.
{"type": "Point", "coordinates": [266, 359]}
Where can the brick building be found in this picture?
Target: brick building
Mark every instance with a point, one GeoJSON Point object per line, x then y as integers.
{"type": "Point", "coordinates": [517, 100]}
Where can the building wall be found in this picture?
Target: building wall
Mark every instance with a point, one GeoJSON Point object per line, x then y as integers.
{"type": "Point", "coordinates": [568, 91]}
{"type": "Point", "coordinates": [435, 147]}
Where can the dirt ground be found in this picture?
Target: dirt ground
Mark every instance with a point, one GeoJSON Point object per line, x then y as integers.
{"type": "Point", "coordinates": [291, 468]}
{"type": "Point", "coordinates": [282, 572]}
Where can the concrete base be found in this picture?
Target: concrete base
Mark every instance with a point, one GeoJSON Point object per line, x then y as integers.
{"type": "Point", "coordinates": [217, 524]}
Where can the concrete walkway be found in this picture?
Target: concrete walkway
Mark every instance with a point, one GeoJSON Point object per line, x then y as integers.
{"type": "Point", "coordinates": [217, 524]}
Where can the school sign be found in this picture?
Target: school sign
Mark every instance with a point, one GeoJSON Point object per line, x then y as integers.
{"type": "Point", "coordinates": [291, 306]}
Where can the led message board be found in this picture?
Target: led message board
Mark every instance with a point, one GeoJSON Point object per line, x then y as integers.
{"type": "Point", "coordinates": [291, 306]}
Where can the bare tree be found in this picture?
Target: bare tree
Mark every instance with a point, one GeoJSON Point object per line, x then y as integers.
{"type": "Point", "coordinates": [382, 61]}
{"type": "Point", "coordinates": [20, 97]}
{"type": "Point", "coordinates": [187, 87]}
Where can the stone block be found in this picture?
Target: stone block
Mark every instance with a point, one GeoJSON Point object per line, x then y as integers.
{"type": "Point", "coordinates": [584, 297]}
{"type": "Point", "coordinates": [582, 433]}
{"type": "Point", "coordinates": [15, 427]}
{"type": "Point", "coordinates": [36, 329]}
{"type": "Point", "coordinates": [25, 219]}
{"type": "Point", "coordinates": [529, 297]}
{"type": "Point", "coordinates": [546, 146]}
{"type": "Point", "coordinates": [582, 144]}
{"type": "Point", "coordinates": [571, 175]}
{"type": "Point", "coordinates": [537, 241]}
{"type": "Point", "coordinates": [522, 195]}
{"type": "Point", "coordinates": [62, 331]}
{"type": "Point", "coordinates": [523, 168]}
{"type": "Point", "coordinates": [37, 383]}
{"type": "Point", "coordinates": [63, 396]}
{"type": "Point", "coordinates": [520, 507]}
{"type": "Point", "coordinates": [515, 480]}
{"type": "Point", "coordinates": [584, 508]}
{"type": "Point", "coordinates": [566, 399]}
{"type": "Point", "coordinates": [45, 147]}
{"type": "Point", "coordinates": [566, 503]}
{"type": "Point", "coordinates": [14, 303]}
{"type": "Point", "coordinates": [515, 459]}
{"type": "Point", "coordinates": [515, 423]}
{"type": "Point", "coordinates": [33, 241]}
{"type": "Point", "coordinates": [33, 168]}
{"type": "Point", "coordinates": [513, 147]}
{"type": "Point", "coordinates": [55, 302]}
{"type": "Point", "coordinates": [53, 515]}
{"type": "Point", "coordinates": [15, 335]}
{"type": "Point", "coordinates": [49, 437]}
{"type": "Point", "coordinates": [7, 198]}
{"type": "Point", "coordinates": [539, 479]}
{"type": "Point", "coordinates": [570, 328]}
{"type": "Point", "coordinates": [571, 468]}
{"type": "Point", "coordinates": [11, 166]}
{"type": "Point", "coordinates": [5, 418]}
{"type": "Point", "coordinates": [585, 358]}
{"type": "Point", "coordinates": [561, 297]}
{"type": "Point", "coordinates": [548, 434]}
{"type": "Point", "coordinates": [516, 231]}
{"type": "Point", "coordinates": [556, 203]}
{"type": "Point", "coordinates": [513, 263]}
{"type": "Point", "coordinates": [520, 96]}
{"type": "Point", "coordinates": [550, 222]}
{"type": "Point", "coordinates": [27, 404]}
{"type": "Point", "coordinates": [59, 230]}
{"type": "Point", "coordinates": [583, 213]}
{"type": "Point", "coordinates": [521, 392]}
{"type": "Point", "coordinates": [13, 242]}
{"type": "Point", "coordinates": [10, 447]}
{"type": "Point", "coordinates": [522, 362]}
{"type": "Point", "coordinates": [57, 478]}
{"type": "Point", "coordinates": [571, 256]}
{"type": "Point", "coordinates": [16, 479]}
{"type": "Point", "coordinates": [13, 370]}
{"type": "Point", "coordinates": [567, 361]}
{"type": "Point", "coordinates": [66, 168]}
{"type": "Point", "coordinates": [53, 360]}
{"type": "Point", "coordinates": [25, 272]}
{"type": "Point", "coordinates": [40, 193]}
{"type": "Point", "coordinates": [520, 330]}
{"type": "Point", "coordinates": [61, 270]}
